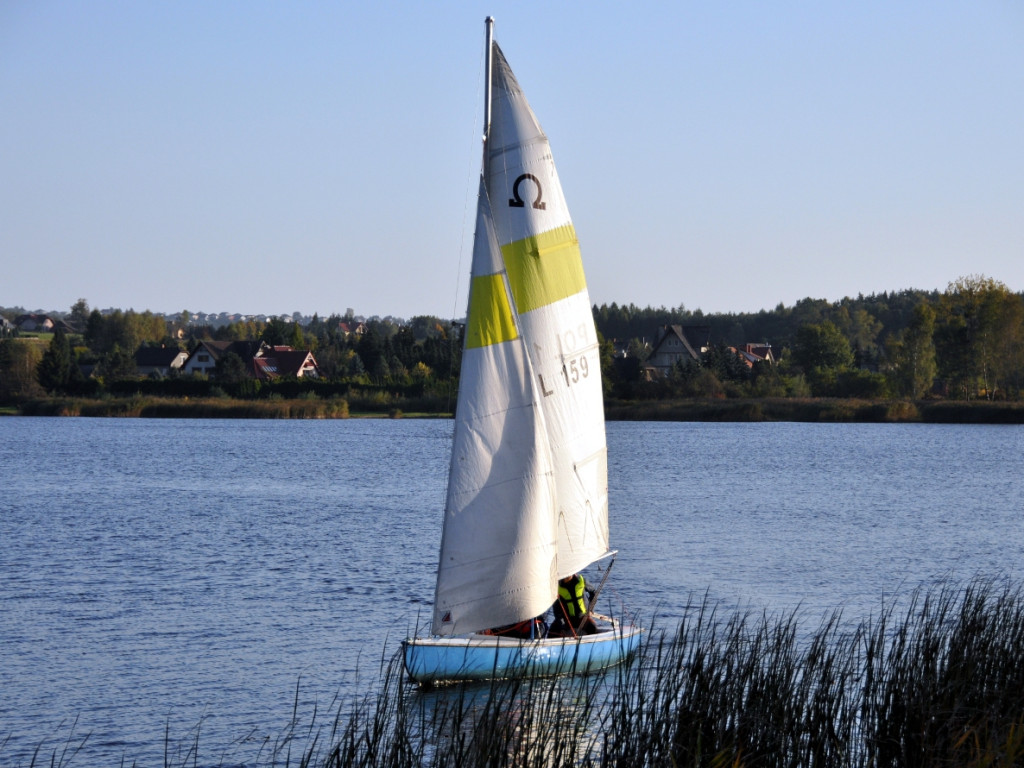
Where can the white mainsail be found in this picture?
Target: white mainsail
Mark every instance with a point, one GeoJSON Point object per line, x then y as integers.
{"type": "Point", "coordinates": [527, 490]}
{"type": "Point", "coordinates": [498, 549]}
{"type": "Point", "coordinates": [528, 483]}
{"type": "Point", "coordinates": [545, 273]}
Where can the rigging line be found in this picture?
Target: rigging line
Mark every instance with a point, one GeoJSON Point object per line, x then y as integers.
{"type": "Point", "coordinates": [597, 592]}
{"type": "Point", "coordinates": [566, 616]}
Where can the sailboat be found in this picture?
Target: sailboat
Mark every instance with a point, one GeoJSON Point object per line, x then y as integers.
{"type": "Point", "coordinates": [527, 499]}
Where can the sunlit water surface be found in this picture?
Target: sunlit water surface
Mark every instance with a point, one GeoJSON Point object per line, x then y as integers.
{"type": "Point", "coordinates": [159, 575]}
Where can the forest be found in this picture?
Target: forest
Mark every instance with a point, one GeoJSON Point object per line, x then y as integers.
{"type": "Point", "coordinates": [965, 343]}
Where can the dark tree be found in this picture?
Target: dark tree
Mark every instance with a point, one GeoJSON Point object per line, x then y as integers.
{"type": "Point", "coordinates": [94, 331]}
{"type": "Point", "coordinates": [54, 369]}
{"type": "Point", "coordinates": [79, 317]}
{"type": "Point", "coordinates": [275, 333]}
{"type": "Point", "coordinates": [230, 369]}
{"type": "Point", "coordinates": [726, 364]}
{"type": "Point", "coordinates": [371, 352]}
{"type": "Point", "coordinates": [820, 346]}
{"type": "Point", "coordinates": [19, 365]}
{"type": "Point", "coordinates": [296, 339]}
{"type": "Point", "coordinates": [404, 347]}
{"type": "Point", "coordinates": [824, 354]}
{"type": "Point", "coordinates": [117, 364]}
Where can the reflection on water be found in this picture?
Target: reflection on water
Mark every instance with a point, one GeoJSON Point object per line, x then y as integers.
{"type": "Point", "coordinates": [541, 721]}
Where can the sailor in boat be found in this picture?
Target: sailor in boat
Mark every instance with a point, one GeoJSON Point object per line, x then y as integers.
{"type": "Point", "coordinates": [572, 616]}
{"type": "Point", "coordinates": [531, 629]}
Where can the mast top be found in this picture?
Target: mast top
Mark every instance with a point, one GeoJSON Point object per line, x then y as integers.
{"type": "Point", "coordinates": [489, 22]}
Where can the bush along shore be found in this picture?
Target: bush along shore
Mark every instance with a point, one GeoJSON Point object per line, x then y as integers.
{"type": "Point", "coordinates": [381, 403]}
{"type": "Point", "coordinates": [938, 683]}
{"type": "Point", "coordinates": [818, 409]}
{"type": "Point", "coordinates": [223, 407]}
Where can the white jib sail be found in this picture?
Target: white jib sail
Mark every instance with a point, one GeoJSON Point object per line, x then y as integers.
{"type": "Point", "coordinates": [545, 273]}
{"type": "Point", "coordinates": [498, 546]}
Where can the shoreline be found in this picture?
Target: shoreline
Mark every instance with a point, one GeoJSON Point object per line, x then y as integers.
{"type": "Point", "coordinates": [812, 410]}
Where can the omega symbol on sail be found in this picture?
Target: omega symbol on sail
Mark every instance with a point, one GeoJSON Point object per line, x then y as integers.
{"type": "Point", "coordinates": [517, 201]}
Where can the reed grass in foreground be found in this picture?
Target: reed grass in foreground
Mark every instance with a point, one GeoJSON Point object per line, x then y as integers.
{"type": "Point", "coordinates": [941, 683]}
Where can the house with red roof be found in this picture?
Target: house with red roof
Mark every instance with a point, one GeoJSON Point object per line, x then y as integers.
{"type": "Point", "coordinates": [261, 360]}
{"type": "Point", "coordinates": [275, 362]}
{"type": "Point", "coordinates": [206, 354]}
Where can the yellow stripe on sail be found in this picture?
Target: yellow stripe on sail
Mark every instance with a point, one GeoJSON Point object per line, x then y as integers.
{"type": "Point", "coordinates": [490, 316]}
{"type": "Point", "coordinates": [544, 268]}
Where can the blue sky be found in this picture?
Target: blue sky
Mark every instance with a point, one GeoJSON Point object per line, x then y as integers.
{"type": "Point", "coordinates": [280, 157]}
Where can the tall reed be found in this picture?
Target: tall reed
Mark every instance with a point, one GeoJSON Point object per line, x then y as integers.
{"type": "Point", "coordinates": [939, 682]}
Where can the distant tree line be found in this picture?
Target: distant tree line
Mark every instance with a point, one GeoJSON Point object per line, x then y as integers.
{"type": "Point", "coordinates": [964, 343]}
{"type": "Point", "coordinates": [418, 357]}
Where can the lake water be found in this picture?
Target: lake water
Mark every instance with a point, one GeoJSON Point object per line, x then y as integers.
{"type": "Point", "coordinates": [156, 575]}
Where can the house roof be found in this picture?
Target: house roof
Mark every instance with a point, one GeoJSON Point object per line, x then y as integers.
{"type": "Point", "coordinates": [292, 360]}
{"type": "Point", "coordinates": [265, 368]}
{"type": "Point", "coordinates": [246, 350]}
{"type": "Point", "coordinates": [156, 357]}
{"type": "Point", "coordinates": [699, 336]}
{"type": "Point", "coordinates": [754, 353]}
{"type": "Point", "coordinates": [747, 358]}
{"type": "Point", "coordinates": [35, 319]}
{"type": "Point", "coordinates": [761, 351]}
{"type": "Point", "coordinates": [283, 361]}
{"type": "Point", "coordinates": [693, 337]}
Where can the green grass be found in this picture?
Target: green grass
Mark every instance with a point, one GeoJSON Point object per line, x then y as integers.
{"type": "Point", "coordinates": [940, 683]}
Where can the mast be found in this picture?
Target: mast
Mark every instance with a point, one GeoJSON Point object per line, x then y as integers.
{"type": "Point", "coordinates": [499, 545]}
{"type": "Point", "coordinates": [489, 23]}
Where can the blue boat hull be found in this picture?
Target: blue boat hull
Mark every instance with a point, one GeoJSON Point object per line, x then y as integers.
{"type": "Point", "coordinates": [486, 657]}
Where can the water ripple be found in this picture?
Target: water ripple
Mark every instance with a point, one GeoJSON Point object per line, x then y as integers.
{"type": "Point", "coordinates": [187, 575]}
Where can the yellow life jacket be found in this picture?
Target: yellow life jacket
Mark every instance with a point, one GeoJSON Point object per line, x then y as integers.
{"type": "Point", "coordinates": [571, 596]}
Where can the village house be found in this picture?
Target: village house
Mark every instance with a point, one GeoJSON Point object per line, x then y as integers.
{"type": "Point", "coordinates": [675, 343]}
{"type": "Point", "coordinates": [284, 361]}
{"type": "Point", "coordinates": [349, 327]}
{"type": "Point", "coordinates": [33, 322]}
{"type": "Point", "coordinates": [755, 353]}
{"type": "Point", "coordinates": [159, 361]}
{"type": "Point", "coordinates": [261, 360]}
{"type": "Point", "coordinates": [204, 357]}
